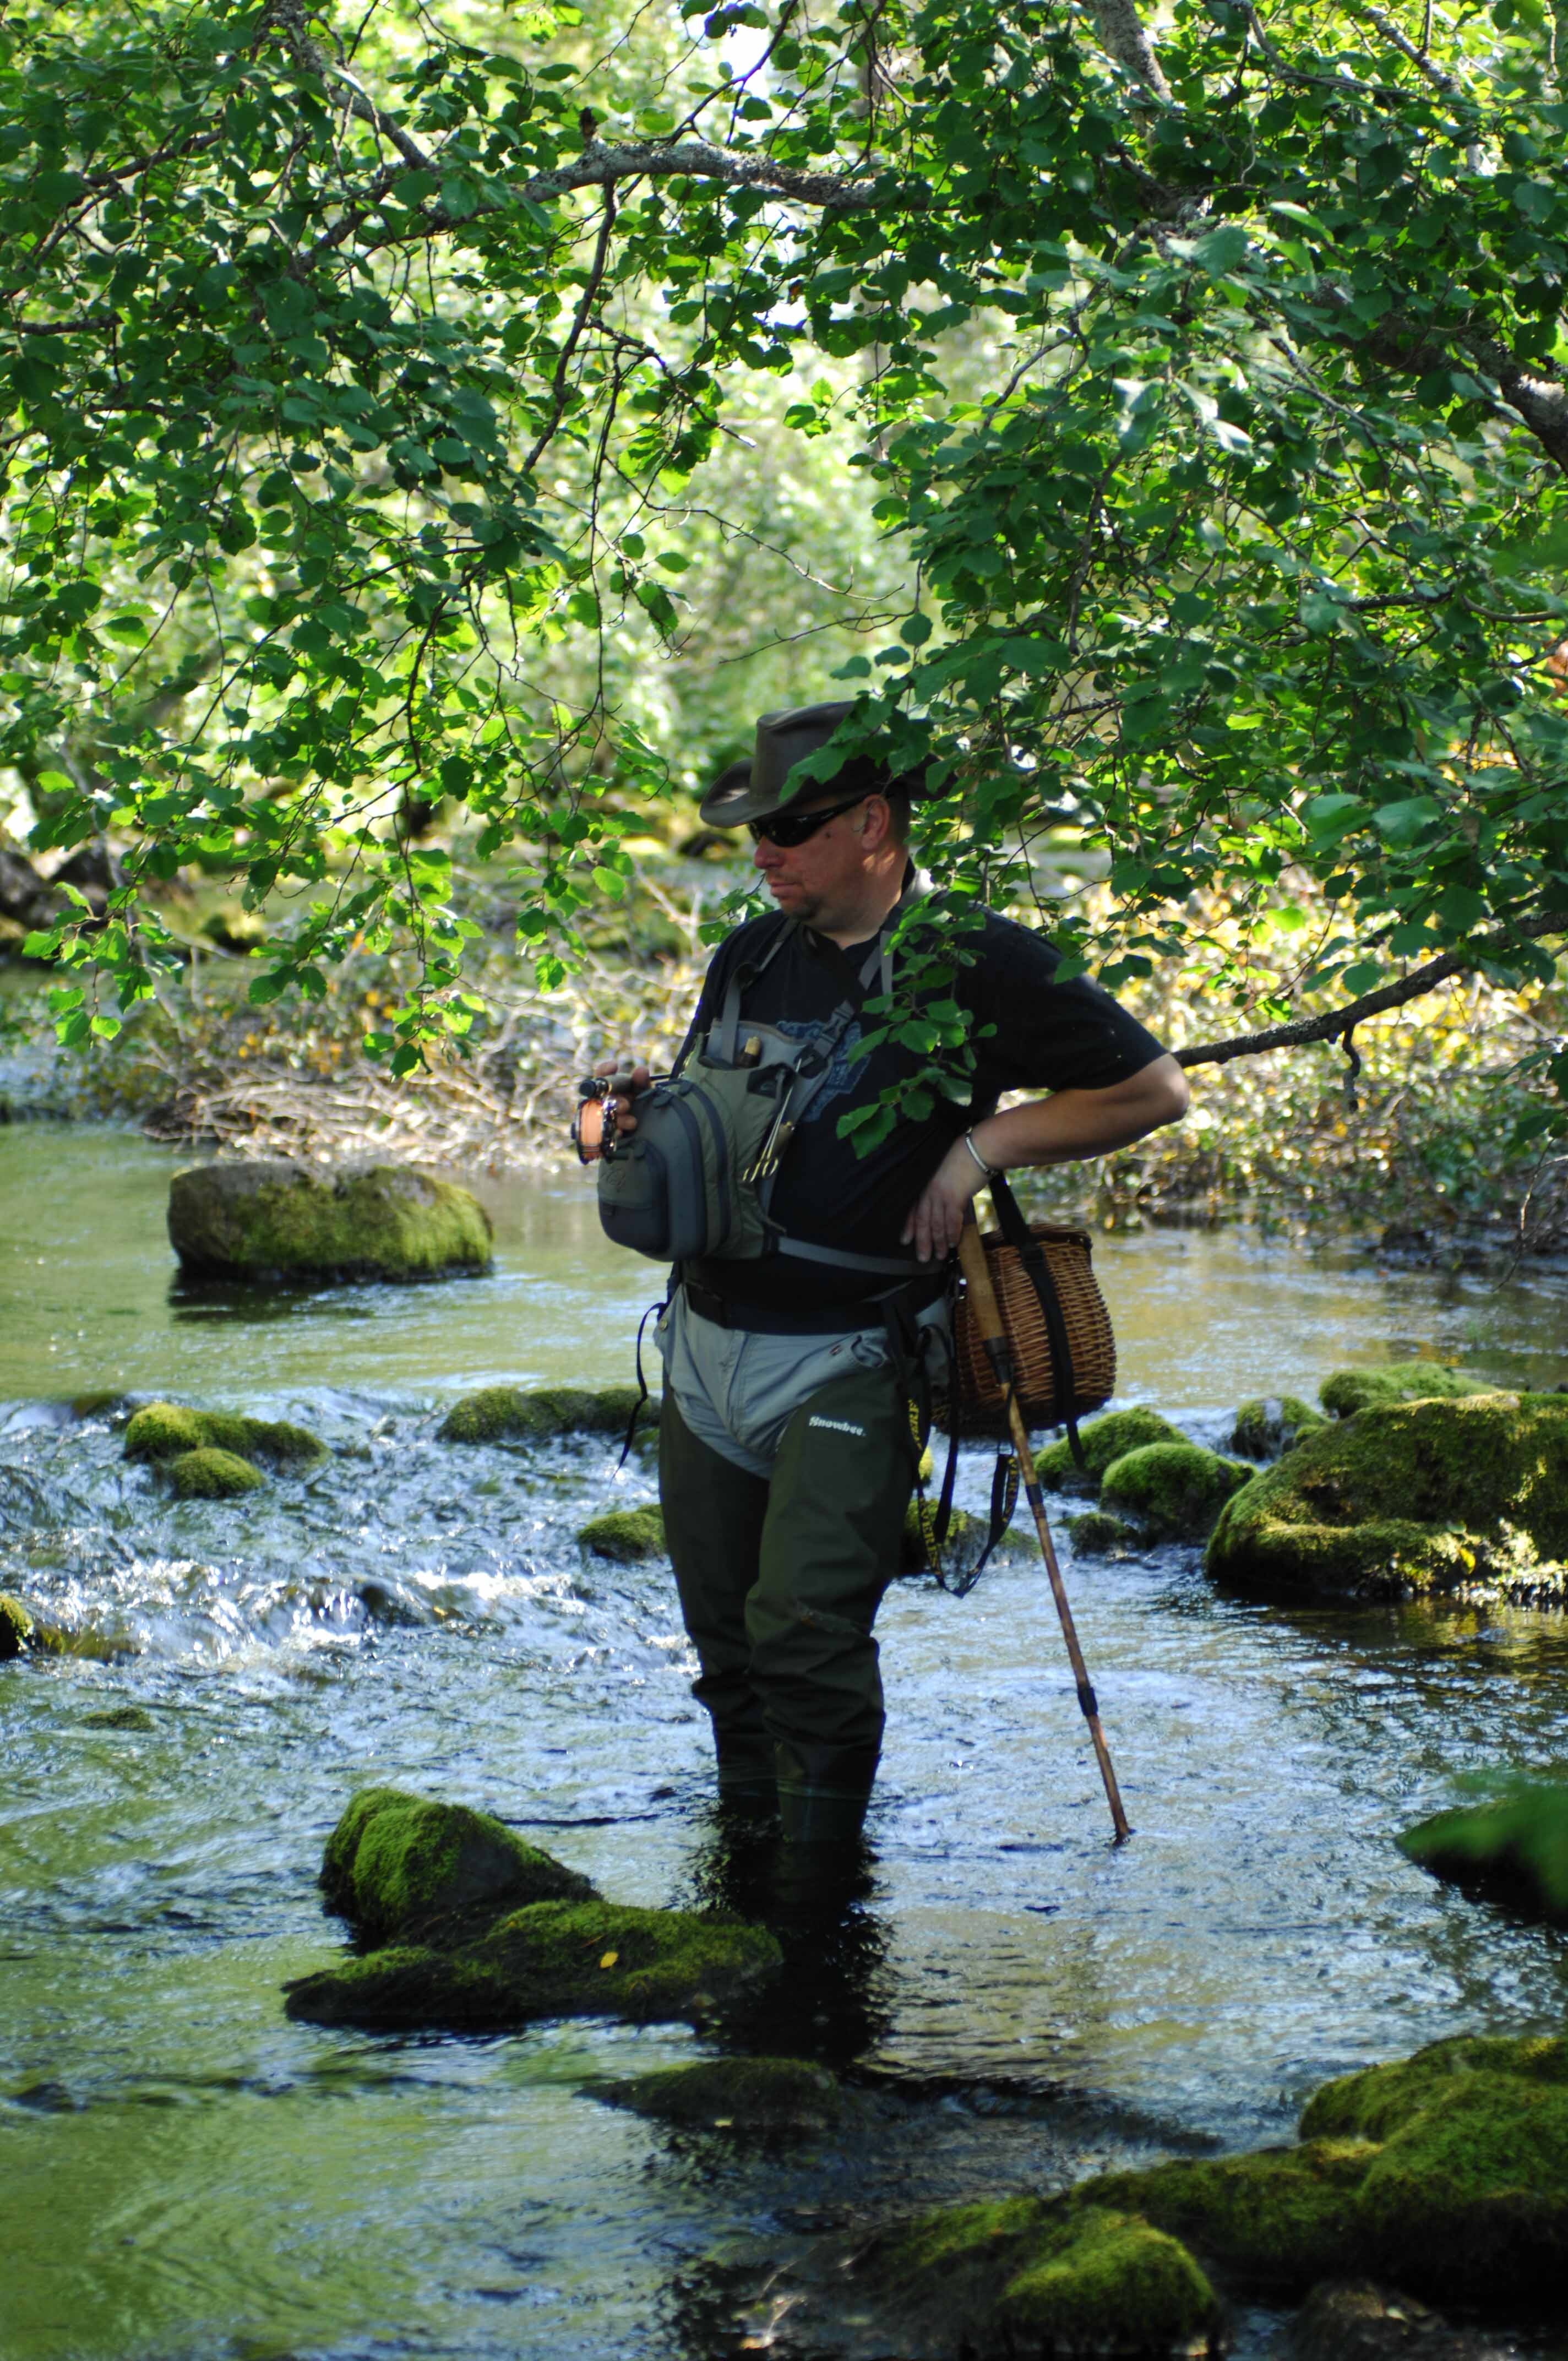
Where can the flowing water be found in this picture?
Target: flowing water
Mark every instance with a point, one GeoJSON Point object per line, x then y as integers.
{"type": "Point", "coordinates": [188, 2174]}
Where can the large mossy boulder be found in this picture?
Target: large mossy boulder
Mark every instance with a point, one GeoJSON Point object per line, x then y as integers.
{"type": "Point", "coordinates": [1512, 1849]}
{"type": "Point", "coordinates": [475, 1931]}
{"type": "Point", "coordinates": [163, 1431]}
{"type": "Point", "coordinates": [1446, 2174]}
{"type": "Point", "coordinates": [553, 1959]}
{"type": "Point", "coordinates": [1350, 1390]}
{"type": "Point", "coordinates": [744, 2095]}
{"type": "Point", "coordinates": [277, 1225]}
{"type": "Point", "coordinates": [1465, 1499]}
{"type": "Point", "coordinates": [403, 1868]}
{"type": "Point", "coordinates": [540, 1413]}
{"type": "Point", "coordinates": [1170, 1491]}
{"type": "Point", "coordinates": [1271, 1424]}
{"type": "Point", "coordinates": [1105, 1439]}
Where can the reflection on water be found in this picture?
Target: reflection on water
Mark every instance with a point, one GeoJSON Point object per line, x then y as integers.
{"type": "Point", "coordinates": [189, 2174]}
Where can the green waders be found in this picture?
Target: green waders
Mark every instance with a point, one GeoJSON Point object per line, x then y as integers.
{"type": "Point", "coordinates": [779, 1579]}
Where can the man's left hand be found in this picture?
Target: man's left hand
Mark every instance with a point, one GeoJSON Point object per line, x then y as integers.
{"type": "Point", "coordinates": [936, 1220]}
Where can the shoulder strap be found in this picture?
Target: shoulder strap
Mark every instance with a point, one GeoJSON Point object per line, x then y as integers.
{"type": "Point", "coordinates": [1017, 1233]}
{"type": "Point", "coordinates": [744, 975]}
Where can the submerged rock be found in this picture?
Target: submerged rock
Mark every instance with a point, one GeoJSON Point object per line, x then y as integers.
{"type": "Point", "coordinates": [1356, 2321]}
{"type": "Point", "coordinates": [625, 1536]}
{"type": "Point", "coordinates": [277, 1222]}
{"type": "Point", "coordinates": [553, 1959]}
{"type": "Point", "coordinates": [741, 2094]}
{"type": "Point", "coordinates": [1097, 1534]}
{"type": "Point", "coordinates": [120, 1716]}
{"type": "Point", "coordinates": [210, 1475]}
{"type": "Point", "coordinates": [1103, 1439]}
{"type": "Point", "coordinates": [16, 1626]}
{"type": "Point", "coordinates": [1350, 1390]}
{"type": "Point", "coordinates": [1512, 1849]}
{"type": "Point", "coordinates": [1446, 2173]}
{"type": "Point", "coordinates": [1171, 1491]}
{"type": "Point", "coordinates": [1271, 1424]}
{"type": "Point", "coordinates": [513, 1413]}
{"type": "Point", "coordinates": [398, 1867]}
{"type": "Point", "coordinates": [1466, 1498]}
{"type": "Point", "coordinates": [165, 1429]}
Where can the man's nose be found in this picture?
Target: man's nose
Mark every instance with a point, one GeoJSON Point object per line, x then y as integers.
{"type": "Point", "coordinates": [766, 855]}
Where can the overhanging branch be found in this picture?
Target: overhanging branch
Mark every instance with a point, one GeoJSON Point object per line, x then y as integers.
{"type": "Point", "coordinates": [1339, 1021]}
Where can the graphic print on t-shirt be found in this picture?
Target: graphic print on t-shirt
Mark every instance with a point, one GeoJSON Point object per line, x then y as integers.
{"type": "Point", "coordinates": [840, 1077]}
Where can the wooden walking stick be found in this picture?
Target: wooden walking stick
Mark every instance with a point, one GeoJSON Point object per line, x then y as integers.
{"type": "Point", "coordinates": [987, 1314]}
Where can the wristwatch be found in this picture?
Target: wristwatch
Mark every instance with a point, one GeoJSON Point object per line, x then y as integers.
{"type": "Point", "coordinates": [991, 1171]}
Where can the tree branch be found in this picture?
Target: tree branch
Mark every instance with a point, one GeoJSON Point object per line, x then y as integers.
{"type": "Point", "coordinates": [1339, 1021]}
{"type": "Point", "coordinates": [1120, 29]}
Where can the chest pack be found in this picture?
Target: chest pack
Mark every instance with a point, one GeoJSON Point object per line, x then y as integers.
{"type": "Point", "coordinates": [697, 1176]}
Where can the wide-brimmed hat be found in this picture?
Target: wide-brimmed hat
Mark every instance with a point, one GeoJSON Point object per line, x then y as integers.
{"type": "Point", "coordinates": [756, 789]}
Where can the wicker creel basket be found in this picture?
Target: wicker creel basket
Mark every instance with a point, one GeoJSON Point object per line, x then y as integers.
{"type": "Point", "coordinates": [1084, 1315]}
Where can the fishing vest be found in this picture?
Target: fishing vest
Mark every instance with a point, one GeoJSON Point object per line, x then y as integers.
{"type": "Point", "coordinates": [696, 1178]}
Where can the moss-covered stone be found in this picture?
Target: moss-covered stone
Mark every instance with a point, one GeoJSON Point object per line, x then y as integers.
{"type": "Point", "coordinates": [1511, 1849]}
{"type": "Point", "coordinates": [1171, 1491]}
{"type": "Point", "coordinates": [1466, 1498]}
{"type": "Point", "coordinates": [625, 1536]}
{"type": "Point", "coordinates": [16, 1626]}
{"type": "Point", "coordinates": [537, 1414]}
{"type": "Point", "coordinates": [963, 1542]}
{"type": "Point", "coordinates": [1105, 1439]}
{"type": "Point", "coordinates": [400, 1867]}
{"type": "Point", "coordinates": [277, 1222]}
{"type": "Point", "coordinates": [1070, 2276]}
{"type": "Point", "coordinates": [1350, 1390]}
{"type": "Point", "coordinates": [1273, 2221]}
{"type": "Point", "coordinates": [553, 1959]}
{"type": "Point", "coordinates": [1465, 2194]}
{"type": "Point", "coordinates": [743, 2094]}
{"type": "Point", "coordinates": [209, 1475]}
{"type": "Point", "coordinates": [1098, 1534]}
{"type": "Point", "coordinates": [1271, 1424]}
{"type": "Point", "coordinates": [165, 1429]}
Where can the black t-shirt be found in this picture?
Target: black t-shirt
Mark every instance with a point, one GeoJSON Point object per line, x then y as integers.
{"type": "Point", "coordinates": [1028, 1032]}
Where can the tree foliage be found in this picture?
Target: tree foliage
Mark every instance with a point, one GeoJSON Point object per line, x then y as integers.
{"type": "Point", "coordinates": [1206, 381]}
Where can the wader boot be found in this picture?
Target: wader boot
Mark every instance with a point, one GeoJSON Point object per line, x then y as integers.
{"type": "Point", "coordinates": [780, 1581]}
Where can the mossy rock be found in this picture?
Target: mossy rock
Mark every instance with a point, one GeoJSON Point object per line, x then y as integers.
{"type": "Point", "coordinates": [399, 1866]}
{"type": "Point", "coordinates": [1171, 1491]}
{"type": "Point", "coordinates": [1270, 2221]}
{"type": "Point", "coordinates": [210, 1475]}
{"type": "Point", "coordinates": [1068, 2278]}
{"type": "Point", "coordinates": [1466, 2197]}
{"type": "Point", "coordinates": [120, 1716]}
{"type": "Point", "coordinates": [963, 1542]}
{"type": "Point", "coordinates": [553, 1959]}
{"type": "Point", "coordinates": [513, 1414]}
{"type": "Point", "coordinates": [1098, 1534]}
{"type": "Point", "coordinates": [166, 1430]}
{"type": "Point", "coordinates": [625, 1536]}
{"type": "Point", "coordinates": [773, 2095]}
{"type": "Point", "coordinates": [1511, 1849]}
{"type": "Point", "coordinates": [16, 1626]}
{"type": "Point", "coordinates": [277, 1224]}
{"type": "Point", "coordinates": [1350, 1390]}
{"type": "Point", "coordinates": [1105, 1439]}
{"type": "Point", "coordinates": [1466, 1498]}
{"type": "Point", "coordinates": [1271, 1424]}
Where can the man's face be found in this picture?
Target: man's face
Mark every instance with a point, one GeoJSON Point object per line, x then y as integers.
{"type": "Point", "coordinates": [811, 881]}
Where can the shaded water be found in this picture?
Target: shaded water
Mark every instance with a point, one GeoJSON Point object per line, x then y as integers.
{"type": "Point", "coordinates": [186, 2173]}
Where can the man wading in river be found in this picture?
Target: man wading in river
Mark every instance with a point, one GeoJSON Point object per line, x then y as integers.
{"type": "Point", "coordinates": [785, 1456]}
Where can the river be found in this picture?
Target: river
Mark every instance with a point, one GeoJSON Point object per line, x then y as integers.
{"type": "Point", "coordinates": [188, 2174]}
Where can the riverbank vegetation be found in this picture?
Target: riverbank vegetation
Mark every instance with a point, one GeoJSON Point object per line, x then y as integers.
{"type": "Point", "coordinates": [433, 439]}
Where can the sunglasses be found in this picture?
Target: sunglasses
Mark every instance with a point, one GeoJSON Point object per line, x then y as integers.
{"type": "Point", "coordinates": [786, 828]}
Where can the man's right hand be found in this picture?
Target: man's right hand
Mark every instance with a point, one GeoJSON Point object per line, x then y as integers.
{"type": "Point", "coordinates": [627, 1080]}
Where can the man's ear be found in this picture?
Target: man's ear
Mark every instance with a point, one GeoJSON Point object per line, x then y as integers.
{"type": "Point", "coordinates": [876, 825]}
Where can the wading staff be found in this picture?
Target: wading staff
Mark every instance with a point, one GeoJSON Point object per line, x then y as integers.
{"type": "Point", "coordinates": [987, 1314]}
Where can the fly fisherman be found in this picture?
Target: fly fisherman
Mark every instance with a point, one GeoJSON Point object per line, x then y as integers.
{"type": "Point", "coordinates": [786, 1461]}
